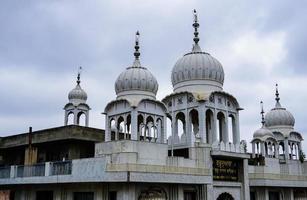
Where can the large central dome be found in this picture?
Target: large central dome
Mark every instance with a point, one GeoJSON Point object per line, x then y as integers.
{"type": "Point", "coordinates": [197, 71]}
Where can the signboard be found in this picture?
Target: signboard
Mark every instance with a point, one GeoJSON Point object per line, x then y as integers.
{"type": "Point", "coordinates": [225, 170]}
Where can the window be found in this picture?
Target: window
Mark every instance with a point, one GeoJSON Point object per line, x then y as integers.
{"type": "Point", "coordinates": [83, 195]}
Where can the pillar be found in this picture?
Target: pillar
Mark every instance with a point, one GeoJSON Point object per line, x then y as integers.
{"type": "Point", "coordinates": [245, 180]}
{"type": "Point", "coordinates": [214, 132]}
{"type": "Point", "coordinates": [134, 125]}
{"type": "Point", "coordinates": [202, 122]}
{"type": "Point", "coordinates": [237, 132]}
{"type": "Point", "coordinates": [107, 132]}
{"type": "Point", "coordinates": [225, 130]}
{"type": "Point", "coordinates": [286, 146]}
{"type": "Point", "coordinates": [87, 118]}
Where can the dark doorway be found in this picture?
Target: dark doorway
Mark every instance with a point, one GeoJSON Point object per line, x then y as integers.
{"type": "Point", "coordinates": [112, 195]}
{"type": "Point", "coordinates": [12, 195]}
{"type": "Point", "coordinates": [83, 195]}
{"type": "Point", "coordinates": [190, 195]}
{"type": "Point", "coordinates": [44, 195]}
{"type": "Point", "coordinates": [273, 195]}
{"type": "Point", "coordinates": [225, 196]}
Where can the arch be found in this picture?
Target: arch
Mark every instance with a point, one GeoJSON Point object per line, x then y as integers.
{"type": "Point", "coordinates": [221, 129]}
{"type": "Point", "coordinates": [112, 128]}
{"type": "Point", "coordinates": [194, 120]}
{"type": "Point", "coordinates": [81, 119]}
{"type": "Point", "coordinates": [70, 118]}
{"type": "Point", "coordinates": [141, 127]}
{"type": "Point", "coordinates": [120, 127]}
{"type": "Point", "coordinates": [225, 196]}
{"type": "Point", "coordinates": [209, 126]}
{"type": "Point", "coordinates": [180, 120]}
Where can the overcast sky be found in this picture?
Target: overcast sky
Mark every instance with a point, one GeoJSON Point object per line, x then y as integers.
{"type": "Point", "coordinates": [42, 43]}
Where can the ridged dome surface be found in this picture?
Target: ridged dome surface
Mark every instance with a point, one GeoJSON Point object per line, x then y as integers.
{"type": "Point", "coordinates": [135, 79]}
{"type": "Point", "coordinates": [197, 69]}
{"type": "Point", "coordinates": [262, 132]}
{"type": "Point", "coordinates": [279, 117]}
{"type": "Point", "coordinates": [77, 95]}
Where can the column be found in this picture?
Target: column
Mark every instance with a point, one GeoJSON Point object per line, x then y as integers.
{"type": "Point", "coordinates": [125, 127]}
{"type": "Point", "coordinates": [286, 146]}
{"type": "Point", "coordinates": [237, 133]}
{"type": "Point", "coordinates": [245, 180]}
{"type": "Point", "coordinates": [65, 118]}
{"type": "Point", "coordinates": [134, 125]}
{"type": "Point", "coordinates": [214, 132]}
{"type": "Point", "coordinates": [225, 130]}
{"type": "Point", "coordinates": [202, 122]}
{"type": "Point", "coordinates": [164, 129]}
{"type": "Point", "coordinates": [87, 118]}
{"type": "Point", "coordinates": [75, 117]}
{"type": "Point", "coordinates": [276, 150]}
{"type": "Point", "coordinates": [262, 148]}
{"type": "Point", "coordinates": [116, 129]}
{"type": "Point", "coordinates": [107, 132]}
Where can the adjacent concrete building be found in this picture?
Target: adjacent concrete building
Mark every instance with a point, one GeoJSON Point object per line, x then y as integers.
{"type": "Point", "coordinates": [134, 159]}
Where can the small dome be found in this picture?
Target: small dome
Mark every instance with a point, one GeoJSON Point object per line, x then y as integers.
{"type": "Point", "coordinates": [279, 116]}
{"type": "Point", "coordinates": [262, 132]}
{"type": "Point", "coordinates": [197, 68]}
{"type": "Point", "coordinates": [136, 82]}
{"type": "Point", "coordinates": [77, 95]}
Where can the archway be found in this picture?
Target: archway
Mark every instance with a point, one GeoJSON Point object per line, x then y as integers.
{"type": "Point", "coordinates": [81, 119]}
{"type": "Point", "coordinates": [221, 133]}
{"type": "Point", "coordinates": [225, 196]}
{"type": "Point", "coordinates": [70, 118]}
{"type": "Point", "coordinates": [194, 120]}
{"type": "Point", "coordinates": [180, 117]}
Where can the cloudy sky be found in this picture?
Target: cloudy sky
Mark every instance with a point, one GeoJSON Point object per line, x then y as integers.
{"type": "Point", "coordinates": [42, 43]}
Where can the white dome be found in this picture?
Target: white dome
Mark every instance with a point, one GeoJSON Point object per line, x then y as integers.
{"type": "Point", "coordinates": [136, 80]}
{"type": "Point", "coordinates": [197, 70]}
{"type": "Point", "coordinates": [77, 95]}
{"type": "Point", "coordinates": [279, 117]}
{"type": "Point", "coordinates": [262, 132]}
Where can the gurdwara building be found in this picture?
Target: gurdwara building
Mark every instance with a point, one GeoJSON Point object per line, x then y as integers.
{"type": "Point", "coordinates": [133, 159]}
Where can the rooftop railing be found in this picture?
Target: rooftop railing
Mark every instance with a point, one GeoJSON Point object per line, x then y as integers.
{"type": "Point", "coordinates": [5, 172]}
{"type": "Point", "coordinates": [61, 168]}
{"type": "Point", "coordinates": [41, 169]}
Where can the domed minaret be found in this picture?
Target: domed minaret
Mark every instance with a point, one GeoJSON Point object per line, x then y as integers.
{"type": "Point", "coordinates": [197, 71]}
{"type": "Point", "coordinates": [264, 142]}
{"type": "Point", "coordinates": [281, 122]}
{"type": "Point", "coordinates": [136, 82]}
{"type": "Point", "coordinates": [77, 105]}
{"type": "Point", "coordinates": [204, 112]}
{"type": "Point", "coordinates": [136, 114]}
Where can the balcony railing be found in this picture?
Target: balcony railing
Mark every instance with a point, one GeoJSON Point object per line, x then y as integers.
{"type": "Point", "coordinates": [5, 172]}
{"type": "Point", "coordinates": [31, 170]}
{"type": "Point", "coordinates": [60, 168]}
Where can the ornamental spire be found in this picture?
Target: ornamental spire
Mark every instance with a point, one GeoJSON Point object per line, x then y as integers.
{"type": "Point", "coordinates": [137, 54]}
{"type": "Point", "coordinates": [262, 114]}
{"type": "Point", "coordinates": [79, 75]}
{"type": "Point", "coordinates": [277, 105]}
{"type": "Point", "coordinates": [196, 47]}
